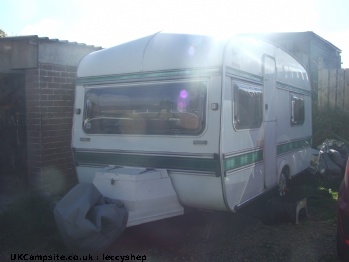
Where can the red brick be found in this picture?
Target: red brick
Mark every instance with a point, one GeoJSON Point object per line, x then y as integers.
{"type": "Point", "coordinates": [71, 69]}
{"type": "Point", "coordinates": [46, 66]}
{"type": "Point", "coordinates": [46, 103]}
{"type": "Point", "coordinates": [47, 79]}
{"type": "Point", "coordinates": [71, 75]}
{"type": "Point", "coordinates": [43, 72]}
{"type": "Point", "coordinates": [59, 80]}
{"type": "Point", "coordinates": [58, 68]}
{"type": "Point", "coordinates": [33, 96]}
{"type": "Point", "coordinates": [59, 92]}
{"type": "Point", "coordinates": [54, 73]}
{"type": "Point", "coordinates": [50, 94]}
{"type": "Point", "coordinates": [54, 97]}
{"type": "Point", "coordinates": [43, 85]}
{"type": "Point", "coordinates": [60, 103]}
{"type": "Point", "coordinates": [67, 86]}
{"type": "Point", "coordinates": [47, 91]}
{"type": "Point", "coordinates": [54, 85]}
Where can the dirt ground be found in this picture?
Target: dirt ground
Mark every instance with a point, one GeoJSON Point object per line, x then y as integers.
{"type": "Point", "coordinates": [233, 237]}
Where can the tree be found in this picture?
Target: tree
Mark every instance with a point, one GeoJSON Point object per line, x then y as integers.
{"type": "Point", "coordinates": [2, 33]}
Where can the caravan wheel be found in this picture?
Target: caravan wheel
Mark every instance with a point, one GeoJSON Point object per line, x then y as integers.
{"type": "Point", "coordinates": [283, 182]}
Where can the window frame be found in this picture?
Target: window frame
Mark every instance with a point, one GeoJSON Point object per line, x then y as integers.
{"type": "Point", "coordinates": [294, 98]}
{"type": "Point", "coordinates": [201, 115]}
{"type": "Point", "coordinates": [246, 86]}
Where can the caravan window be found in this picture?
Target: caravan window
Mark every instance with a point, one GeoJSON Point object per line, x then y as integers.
{"type": "Point", "coordinates": [297, 110]}
{"type": "Point", "coordinates": [248, 105]}
{"type": "Point", "coordinates": [156, 108]}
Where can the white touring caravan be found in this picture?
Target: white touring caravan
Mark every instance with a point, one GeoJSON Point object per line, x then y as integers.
{"type": "Point", "coordinates": [174, 120]}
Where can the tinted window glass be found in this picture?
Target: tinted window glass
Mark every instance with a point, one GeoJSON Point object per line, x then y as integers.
{"type": "Point", "coordinates": [248, 103]}
{"type": "Point", "coordinates": [163, 108]}
{"type": "Point", "coordinates": [297, 110]}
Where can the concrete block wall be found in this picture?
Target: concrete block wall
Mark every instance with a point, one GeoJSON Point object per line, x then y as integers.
{"type": "Point", "coordinates": [50, 99]}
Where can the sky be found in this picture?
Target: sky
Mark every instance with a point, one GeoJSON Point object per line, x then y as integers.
{"type": "Point", "coordinates": [108, 23]}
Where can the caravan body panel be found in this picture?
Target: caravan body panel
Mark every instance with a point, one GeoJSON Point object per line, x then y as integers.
{"type": "Point", "coordinates": [256, 152]}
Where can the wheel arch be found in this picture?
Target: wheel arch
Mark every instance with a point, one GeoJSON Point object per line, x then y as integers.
{"type": "Point", "coordinates": [285, 167]}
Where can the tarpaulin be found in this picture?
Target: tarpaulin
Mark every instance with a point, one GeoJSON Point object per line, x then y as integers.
{"type": "Point", "coordinates": [87, 221]}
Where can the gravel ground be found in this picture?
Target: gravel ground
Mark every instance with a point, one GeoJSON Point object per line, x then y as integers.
{"type": "Point", "coordinates": [233, 237]}
{"type": "Point", "coordinates": [223, 236]}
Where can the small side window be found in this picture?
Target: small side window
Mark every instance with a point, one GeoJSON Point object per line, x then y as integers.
{"type": "Point", "coordinates": [248, 106]}
{"type": "Point", "coordinates": [297, 110]}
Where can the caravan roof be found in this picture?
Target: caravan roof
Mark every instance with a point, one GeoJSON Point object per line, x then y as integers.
{"type": "Point", "coordinates": [164, 52]}
{"type": "Point", "coordinates": [172, 51]}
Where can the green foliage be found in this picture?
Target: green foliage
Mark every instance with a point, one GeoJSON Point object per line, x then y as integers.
{"type": "Point", "coordinates": [321, 195]}
{"type": "Point", "coordinates": [330, 124]}
{"type": "Point", "coordinates": [2, 33]}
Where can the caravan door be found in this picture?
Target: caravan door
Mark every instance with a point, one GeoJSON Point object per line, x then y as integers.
{"type": "Point", "coordinates": [269, 71]}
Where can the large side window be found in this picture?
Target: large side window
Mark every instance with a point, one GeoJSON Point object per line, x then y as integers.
{"type": "Point", "coordinates": [297, 110]}
{"type": "Point", "coordinates": [248, 105]}
{"type": "Point", "coordinates": [172, 108]}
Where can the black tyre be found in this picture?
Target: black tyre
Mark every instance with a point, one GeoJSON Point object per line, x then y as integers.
{"type": "Point", "coordinates": [283, 183]}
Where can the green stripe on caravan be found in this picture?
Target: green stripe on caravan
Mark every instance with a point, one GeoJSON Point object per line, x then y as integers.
{"type": "Point", "coordinates": [294, 145]}
{"type": "Point", "coordinates": [250, 158]}
{"type": "Point", "coordinates": [168, 162]}
{"type": "Point", "coordinates": [148, 75]}
{"type": "Point", "coordinates": [242, 160]}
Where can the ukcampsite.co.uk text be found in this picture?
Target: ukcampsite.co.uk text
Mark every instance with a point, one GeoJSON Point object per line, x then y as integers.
{"type": "Point", "coordinates": [57, 257]}
{"type": "Point", "coordinates": [124, 258]}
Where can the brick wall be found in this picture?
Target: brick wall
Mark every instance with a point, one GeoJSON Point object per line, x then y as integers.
{"type": "Point", "coordinates": [50, 98]}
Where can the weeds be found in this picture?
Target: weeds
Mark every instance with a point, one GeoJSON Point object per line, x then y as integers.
{"type": "Point", "coordinates": [330, 123]}
{"type": "Point", "coordinates": [321, 194]}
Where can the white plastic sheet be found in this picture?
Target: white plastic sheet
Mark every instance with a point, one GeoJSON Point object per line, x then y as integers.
{"type": "Point", "coordinates": [88, 222]}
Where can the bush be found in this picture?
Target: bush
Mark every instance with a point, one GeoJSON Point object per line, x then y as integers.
{"type": "Point", "coordinates": [330, 124]}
